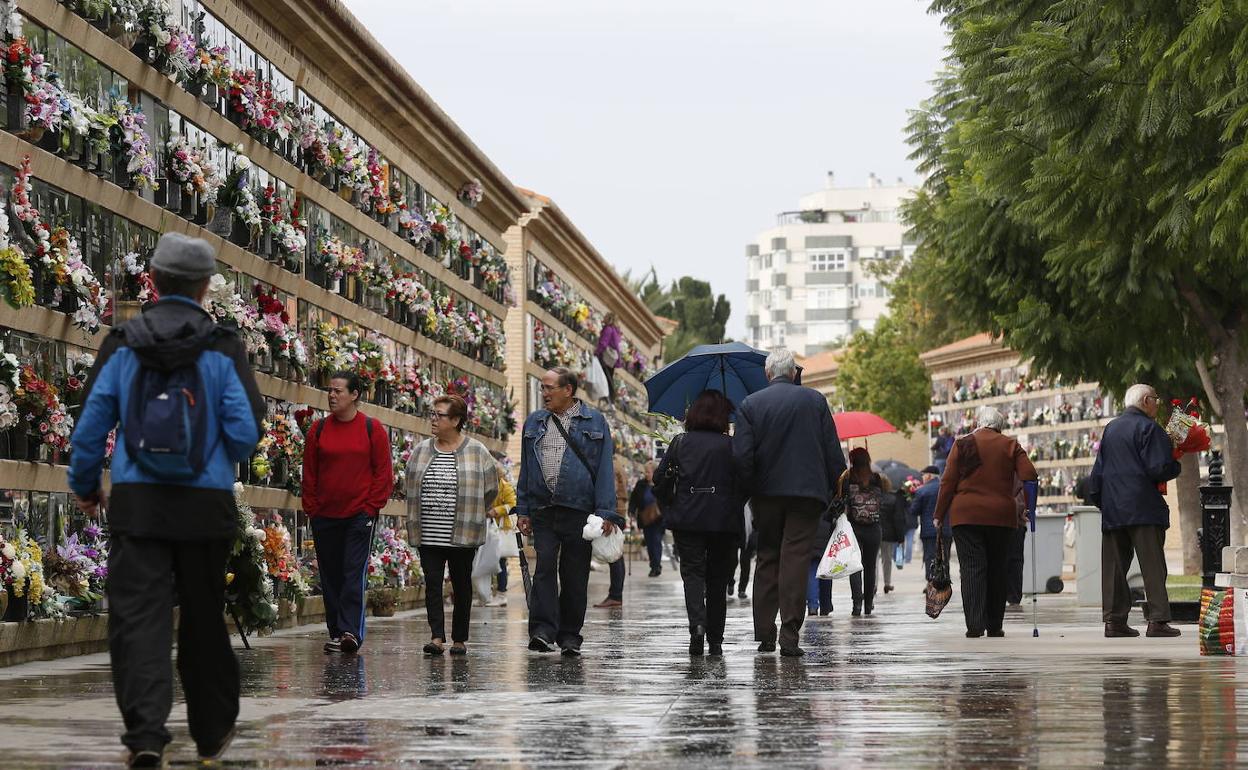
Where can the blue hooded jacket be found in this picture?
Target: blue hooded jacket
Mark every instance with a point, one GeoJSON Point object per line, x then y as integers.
{"type": "Point", "coordinates": [923, 508]}
{"type": "Point", "coordinates": [143, 506]}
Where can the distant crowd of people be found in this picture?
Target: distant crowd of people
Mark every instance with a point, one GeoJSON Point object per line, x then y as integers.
{"type": "Point", "coordinates": [177, 390]}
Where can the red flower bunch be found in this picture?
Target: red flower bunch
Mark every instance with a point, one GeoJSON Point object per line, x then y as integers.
{"type": "Point", "coordinates": [270, 304]}
{"type": "Point", "coordinates": [303, 418]}
{"type": "Point", "coordinates": [466, 251]}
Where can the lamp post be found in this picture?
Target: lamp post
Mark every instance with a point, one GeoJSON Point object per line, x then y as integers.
{"type": "Point", "coordinates": [1215, 521]}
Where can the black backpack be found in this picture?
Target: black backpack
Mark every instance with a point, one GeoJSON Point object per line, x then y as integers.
{"type": "Point", "coordinates": [166, 416]}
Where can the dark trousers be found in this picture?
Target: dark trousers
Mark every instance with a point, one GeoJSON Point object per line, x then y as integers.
{"type": "Point", "coordinates": [748, 549]}
{"type": "Point", "coordinates": [342, 549]}
{"type": "Point", "coordinates": [616, 590]}
{"type": "Point", "coordinates": [983, 556]}
{"type": "Point", "coordinates": [561, 581]}
{"type": "Point", "coordinates": [140, 635]}
{"type": "Point", "coordinates": [654, 545]}
{"type": "Point", "coordinates": [1015, 593]}
{"type": "Point", "coordinates": [862, 584]}
{"type": "Point", "coordinates": [435, 561]}
{"type": "Point", "coordinates": [609, 371]}
{"type": "Point", "coordinates": [818, 590]}
{"type": "Point", "coordinates": [786, 529]}
{"type": "Point", "coordinates": [502, 576]}
{"type": "Point", "coordinates": [1117, 546]}
{"type": "Point", "coordinates": [929, 551]}
{"type": "Point", "coordinates": [706, 564]}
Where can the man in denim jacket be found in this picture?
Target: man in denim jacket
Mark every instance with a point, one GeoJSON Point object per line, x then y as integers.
{"type": "Point", "coordinates": [560, 485]}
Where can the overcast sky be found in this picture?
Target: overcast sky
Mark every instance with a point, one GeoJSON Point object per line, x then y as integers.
{"type": "Point", "coordinates": [673, 131]}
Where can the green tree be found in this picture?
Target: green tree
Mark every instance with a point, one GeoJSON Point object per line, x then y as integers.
{"type": "Point", "coordinates": [1087, 172]}
{"type": "Point", "coordinates": [701, 314]}
{"type": "Point", "coordinates": [881, 373]}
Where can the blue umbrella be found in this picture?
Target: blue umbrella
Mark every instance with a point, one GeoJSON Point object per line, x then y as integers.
{"type": "Point", "coordinates": [733, 368]}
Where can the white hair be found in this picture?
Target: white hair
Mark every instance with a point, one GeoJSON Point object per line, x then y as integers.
{"type": "Point", "coordinates": [1136, 394]}
{"type": "Point", "coordinates": [780, 363]}
{"type": "Point", "coordinates": [989, 417]}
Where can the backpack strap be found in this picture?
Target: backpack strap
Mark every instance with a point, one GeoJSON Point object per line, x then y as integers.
{"type": "Point", "coordinates": [320, 426]}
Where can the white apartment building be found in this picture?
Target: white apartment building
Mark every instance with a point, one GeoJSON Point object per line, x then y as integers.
{"type": "Point", "coordinates": [810, 279]}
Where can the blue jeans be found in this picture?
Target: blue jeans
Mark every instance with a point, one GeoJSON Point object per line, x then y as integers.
{"type": "Point", "coordinates": [909, 556]}
{"type": "Point", "coordinates": [502, 576]}
{"type": "Point", "coordinates": [616, 591]}
{"type": "Point", "coordinates": [818, 591]}
{"type": "Point", "coordinates": [654, 545]}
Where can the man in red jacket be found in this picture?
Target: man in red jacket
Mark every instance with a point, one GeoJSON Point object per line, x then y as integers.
{"type": "Point", "coordinates": [346, 482]}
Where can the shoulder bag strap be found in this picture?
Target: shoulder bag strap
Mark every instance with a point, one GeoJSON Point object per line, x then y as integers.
{"type": "Point", "coordinates": [576, 449]}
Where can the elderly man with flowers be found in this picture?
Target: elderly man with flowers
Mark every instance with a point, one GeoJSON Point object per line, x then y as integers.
{"type": "Point", "coordinates": [170, 380]}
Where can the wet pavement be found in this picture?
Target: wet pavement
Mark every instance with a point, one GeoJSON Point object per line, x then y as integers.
{"type": "Point", "coordinates": [893, 690]}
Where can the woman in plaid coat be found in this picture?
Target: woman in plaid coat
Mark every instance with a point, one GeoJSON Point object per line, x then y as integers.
{"type": "Point", "coordinates": [451, 484]}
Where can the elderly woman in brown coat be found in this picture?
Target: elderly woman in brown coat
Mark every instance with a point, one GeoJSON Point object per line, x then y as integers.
{"type": "Point", "coordinates": [981, 496]}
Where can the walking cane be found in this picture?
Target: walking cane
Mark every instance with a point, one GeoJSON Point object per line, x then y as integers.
{"type": "Point", "coordinates": [239, 626]}
{"type": "Point", "coordinates": [524, 568]}
{"type": "Point", "coordinates": [1030, 489]}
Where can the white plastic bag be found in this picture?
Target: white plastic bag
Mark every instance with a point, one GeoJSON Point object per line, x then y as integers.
{"type": "Point", "coordinates": [507, 546]}
{"type": "Point", "coordinates": [485, 563]}
{"type": "Point", "coordinates": [842, 557]}
{"type": "Point", "coordinates": [608, 549]}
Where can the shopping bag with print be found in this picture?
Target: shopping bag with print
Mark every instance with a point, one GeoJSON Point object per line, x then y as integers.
{"type": "Point", "coordinates": [485, 563]}
{"type": "Point", "coordinates": [842, 557]}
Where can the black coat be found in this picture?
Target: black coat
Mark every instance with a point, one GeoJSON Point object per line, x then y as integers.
{"type": "Point", "coordinates": [786, 445]}
{"type": "Point", "coordinates": [893, 519]}
{"type": "Point", "coordinates": [708, 497]}
{"type": "Point", "coordinates": [1135, 456]}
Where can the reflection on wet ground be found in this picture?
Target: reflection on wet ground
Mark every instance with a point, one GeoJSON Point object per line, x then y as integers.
{"type": "Point", "coordinates": [894, 690]}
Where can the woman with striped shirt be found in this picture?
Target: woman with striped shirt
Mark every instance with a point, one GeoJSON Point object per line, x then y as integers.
{"type": "Point", "coordinates": [451, 483]}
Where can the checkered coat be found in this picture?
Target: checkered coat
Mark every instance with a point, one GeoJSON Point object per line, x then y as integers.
{"type": "Point", "coordinates": [477, 486]}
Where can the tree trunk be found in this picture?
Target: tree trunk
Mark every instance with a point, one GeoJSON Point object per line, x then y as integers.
{"type": "Point", "coordinates": [1230, 380]}
{"type": "Point", "coordinates": [1187, 487]}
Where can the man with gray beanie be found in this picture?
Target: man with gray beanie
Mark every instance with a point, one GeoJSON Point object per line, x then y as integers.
{"type": "Point", "coordinates": [178, 390]}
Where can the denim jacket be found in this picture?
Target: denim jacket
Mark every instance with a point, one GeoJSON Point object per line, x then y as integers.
{"type": "Point", "coordinates": [575, 490]}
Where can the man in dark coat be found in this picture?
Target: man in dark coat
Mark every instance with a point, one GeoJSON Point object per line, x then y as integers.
{"type": "Point", "coordinates": [1135, 456]}
{"type": "Point", "coordinates": [789, 459]}
{"type": "Point", "coordinates": [922, 508]}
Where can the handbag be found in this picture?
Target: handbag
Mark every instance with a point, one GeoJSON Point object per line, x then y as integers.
{"type": "Point", "coordinates": [939, 587]}
{"type": "Point", "coordinates": [610, 357]}
{"type": "Point", "coordinates": [842, 556]}
{"type": "Point", "coordinates": [665, 487]}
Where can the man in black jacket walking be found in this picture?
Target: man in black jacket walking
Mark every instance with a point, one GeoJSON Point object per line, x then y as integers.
{"type": "Point", "coordinates": [789, 459]}
{"type": "Point", "coordinates": [1135, 456]}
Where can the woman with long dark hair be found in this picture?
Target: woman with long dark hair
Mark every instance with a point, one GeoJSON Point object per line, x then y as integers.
{"type": "Point", "coordinates": [864, 490]}
{"type": "Point", "coordinates": [705, 516]}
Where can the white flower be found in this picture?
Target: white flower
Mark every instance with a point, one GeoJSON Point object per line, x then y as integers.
{"type": "Point", "coordinates": [9, 551]}
{"type": "Point", "coordinates": [241, 162]}
{"type": "Point", "coordinates": [238, 489]}
{"type": "Point", "coordinates": [18, 570]}
{"type": "Point", "coordinates": [216, 283]}
{"type": "Point", "coordinates": [256, 533]}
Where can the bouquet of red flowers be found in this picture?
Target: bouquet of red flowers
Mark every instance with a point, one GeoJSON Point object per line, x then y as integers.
{"type": "Point", "coordinates": [1187, 433]}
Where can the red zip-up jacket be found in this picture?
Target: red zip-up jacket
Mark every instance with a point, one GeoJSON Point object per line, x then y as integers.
{"type": "Point", "coordinates": [344, 473]}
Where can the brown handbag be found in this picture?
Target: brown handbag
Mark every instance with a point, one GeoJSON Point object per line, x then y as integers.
{"type": "Point", "coordinates": [649, 515]}
{"type": "Point", "coordinates": [939, 587]}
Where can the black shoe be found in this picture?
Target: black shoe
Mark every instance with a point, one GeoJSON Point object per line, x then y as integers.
{"type": "Point", "coordinates": [792, 652]}
{"type": "Point", "coordinates": [717, 650]}
{"type": "Point", "coordinates": [996, 633]}
{"type": "Point", "coordinates": [811, 613]}
{"type": "Point", "coordinates": [458, 648]}
{"type": "Point", "coordinates": [974, 634]}
{"type": "Point", "coordinates": [433, 648]}
{"type": "Point", "coordinates": [349, 643]}
{"type": "Point", "coordinates": [867, 607]}
{"type": "Point", "coordinates": [741, 595]}
{"type": "Point", "coordinates": [697, 639]}
{"type": "Point", "coordinates": [146, 758]}
{"type": "Point", "coordinates": [767, 646]}
{"type": "Point", "coordinates": [333, 645]}
{"type": "Point", "coordinates": [857, 612]}
{"type": "Point", "coordinates": [828, 611]}
{"type": "Point", "coordinates": [214, 754]}
{"type": "Point", "coordinates": [572, 652]}
{"type": "Point", "coordinates": [538, 644]}
{"type": "Point", "coordinates": [655, 572]}
{"type": "Point", "coordinates": [1117, 630]}
{"type": "Point", "coordinates": [1161, 629]}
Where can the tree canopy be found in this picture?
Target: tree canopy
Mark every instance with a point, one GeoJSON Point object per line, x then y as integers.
{"type": "Point", "coordinates": [1087, 172]}
{"type": "Point", "coordinates": [881, 373]}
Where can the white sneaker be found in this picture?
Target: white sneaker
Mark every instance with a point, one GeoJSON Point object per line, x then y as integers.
{"type": "Point", "coordinates": [497, 601]}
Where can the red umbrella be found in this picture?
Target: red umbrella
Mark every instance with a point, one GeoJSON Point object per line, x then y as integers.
{"type": "Point", "coordinates": [859, 424]}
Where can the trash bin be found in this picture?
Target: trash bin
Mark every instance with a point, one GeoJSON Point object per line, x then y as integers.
{"type": "Point", "coordinates": [1048, 554]}
{"type": "Point", "coordinates": [1088, 558]}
